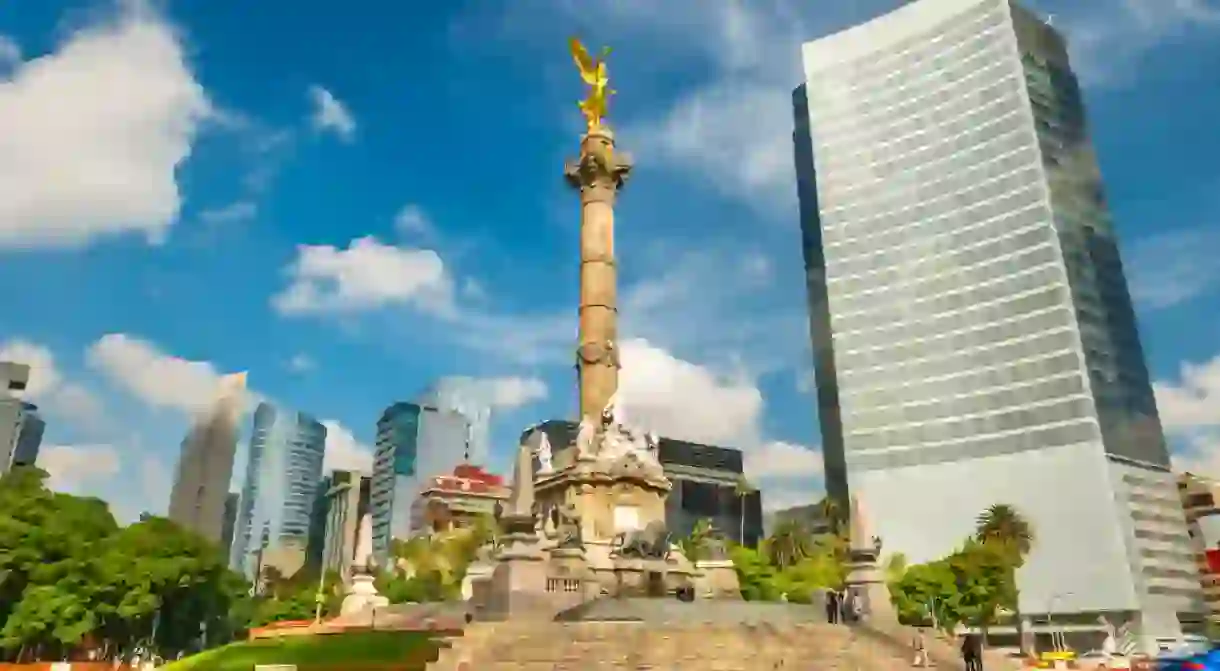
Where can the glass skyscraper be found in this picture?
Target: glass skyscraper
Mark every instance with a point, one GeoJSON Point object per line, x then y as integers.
{"type": "Point", "coordinates": [29, 437]}
{"type": "Point", "coordinates": [283, 471]}
{"type": "Point", "coordinates": [974, 339]}
{"type": "Point", "coordinates": [415, 441]}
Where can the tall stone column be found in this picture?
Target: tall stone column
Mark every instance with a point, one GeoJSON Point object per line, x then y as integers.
{"type": "Point", "coordinates": [598, 175]}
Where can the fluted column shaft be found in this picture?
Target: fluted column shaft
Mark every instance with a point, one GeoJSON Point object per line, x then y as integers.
{"type": "Point", "coordinates": [597, 175]}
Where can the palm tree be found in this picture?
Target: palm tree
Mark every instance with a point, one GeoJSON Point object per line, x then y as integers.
{"type": "Point", "coordinates": [1002, 524]}
{"type": "Point", "coordinates": [742, 489]}
{"type": "Point", "coordinates": [789, 544]}
{"type": "Point", "coordinates": [829, 510]}
{"type": "Point", "coordinates": [695, 545]}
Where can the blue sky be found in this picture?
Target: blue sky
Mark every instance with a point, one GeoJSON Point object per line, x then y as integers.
{"type": "Point", "coordinates": [351, 201]}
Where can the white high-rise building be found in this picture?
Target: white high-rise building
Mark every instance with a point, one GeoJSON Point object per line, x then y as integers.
{"type": "Point", "coordinates": [205, 463]}
{"type": "Point", "coordinates": [974, 338]}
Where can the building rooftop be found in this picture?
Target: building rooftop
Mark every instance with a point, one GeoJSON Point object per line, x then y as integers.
{"type": "Point", "coordinates": [561, 434]}
{"type": "Point", "coordinates": [15, 376]}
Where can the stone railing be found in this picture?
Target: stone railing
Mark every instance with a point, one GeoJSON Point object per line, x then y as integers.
{"type": "Point", "coordinates": [565, 585]}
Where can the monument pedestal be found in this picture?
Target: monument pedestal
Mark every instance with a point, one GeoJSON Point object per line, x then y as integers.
{"type": "Point", "coordinates": [717, 579]}
{"type": "Point", "coordinates": [518, 582]}
{"type": "Point", "coordinates": [362, 595]}
{"type": "Point", "coordinates": [609, 498]}
{"type": "Point", "coordinates": [865, 580]}
{"type": "Point", "coordinates": [652, 578]}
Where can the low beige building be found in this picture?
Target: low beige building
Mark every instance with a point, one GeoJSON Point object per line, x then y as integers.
{"type": "Point", "coordinates": [454, 501]}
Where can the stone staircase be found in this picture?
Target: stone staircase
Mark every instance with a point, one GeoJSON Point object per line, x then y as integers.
{"type": "Point", "coordinates": [588, 646]}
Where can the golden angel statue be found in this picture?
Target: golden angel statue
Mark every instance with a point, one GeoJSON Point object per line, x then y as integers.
{"type": "Point", "coordinates": [593, 72]}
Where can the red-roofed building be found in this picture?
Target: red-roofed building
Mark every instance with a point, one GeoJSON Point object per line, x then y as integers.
{"type": "Point", "coordinates": [454, 501]}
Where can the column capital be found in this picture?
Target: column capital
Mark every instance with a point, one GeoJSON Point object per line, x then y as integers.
{"type": "Point", "coordinates": [600, 169]}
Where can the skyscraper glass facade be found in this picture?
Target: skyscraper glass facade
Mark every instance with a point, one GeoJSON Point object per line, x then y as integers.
{"type": "Point", "coordinates": [29, 436]}
{"type": "Point", "coordinates": [456, 395]}
{"type": "Point", "coordinates": [415, 441]}
{"type": "Point", "coordinates": [394, 475]}
{"type": "Point", "coordinates": [283, 471]}
{"type": "Point", "coordinates": [973, 337]}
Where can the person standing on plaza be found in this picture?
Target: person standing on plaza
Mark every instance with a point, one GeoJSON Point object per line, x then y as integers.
{"type": "Point", "coordinates": [972, 652]}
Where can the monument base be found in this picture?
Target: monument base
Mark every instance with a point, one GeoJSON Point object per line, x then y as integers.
{"type": "Point", "coordinates": [362, 596]}
{"type": "Point", "coordinates": [717, 579]}
{"type": "Point", "coordinates": [866, 582]}
{"type": "Point", "coordinates": [517, 586]}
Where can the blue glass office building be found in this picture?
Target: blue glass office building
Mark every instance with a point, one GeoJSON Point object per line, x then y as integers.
{"type": "Point", "coordinates": [29, 438]}
{"type": "Point", "coordinates": [394, 474]}
{"type": "Point", "coordinates": [284, 466]}
{"type": "Point", "coordinates": [415, 441]}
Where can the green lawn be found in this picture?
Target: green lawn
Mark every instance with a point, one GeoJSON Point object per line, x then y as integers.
{"type": "Point", "coordinates": [338, 651]}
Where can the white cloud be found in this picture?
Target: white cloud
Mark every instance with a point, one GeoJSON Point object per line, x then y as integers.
{"type": "Point", "coordinates": [711, 302]}
{"type": "Point", "coordinates": [91, 135]}
{"type": "Point", "coordinates": [514, 392]}
{"type": "Point", "coordinates": [159, 379]}
{"type": "Point", "coordinates": [44, 374]}
{"type": "Point", "coordinates": [10, 52]}
{"type": "Point", "coordinates": [735, 133]}
{"type": "Point", "coordinates": [732, 127]}
{"type": "Point", "coordinates": [241, 210]}
{"type": "Point", "coordinates": [344, 452]}
{"type": "Point", "coordinates": [1193, 401]}
{"type": "Point", "coordinates": [1108, 40]}
{"type": "Point", "coordinates": [680, 399]}
{"type": "Point", "coordinates": [504, 393]}
{"type": "Point", "coordinates": [778, 459]}
{"type": "Point", "coordinates": [1171, 269]}
{"type": "Point", "coordinates": [72, 466]}
{"type": "Point", "coordinates": [411, 220]}
{"type": "Point", "coordinates": [48, 386]}
{"type": "Point", "coordinates": [366, 275]}
{"type": "Point", "coordinates": [156, 481]}
{"type": "Point", "coordinates": [301, 363]}
{"type": "Point", "coordinates": [330, 114]}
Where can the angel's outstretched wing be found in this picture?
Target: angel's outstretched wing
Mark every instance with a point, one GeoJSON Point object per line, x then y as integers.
{"type": "Point", "coordinates": [584, 62]}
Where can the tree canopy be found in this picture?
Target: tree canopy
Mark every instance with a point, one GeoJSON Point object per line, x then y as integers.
{"type": "Point", "coordinates": [69, 574]}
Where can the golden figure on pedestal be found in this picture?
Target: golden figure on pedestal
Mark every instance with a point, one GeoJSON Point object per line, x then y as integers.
{"type": "Point", "coordinates": [594, 73]}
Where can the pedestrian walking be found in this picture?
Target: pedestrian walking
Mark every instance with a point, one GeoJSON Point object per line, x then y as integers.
{"type": "Point", "coordinates": [832, 606]}
{"type": "Point", "coordinates": [921, 649]}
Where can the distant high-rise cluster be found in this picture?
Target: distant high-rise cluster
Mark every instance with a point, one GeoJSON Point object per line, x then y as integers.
{"type": "Point", "coordinates": [974, 338]}
{"type": "Point", "coordinates": [289, 513]}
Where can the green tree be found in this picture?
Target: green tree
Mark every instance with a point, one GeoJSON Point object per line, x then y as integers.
{"type": "Point", "coordinates": [48, 563]}
{"type": "Point", "coordinates": [695, 545]}
{"type": "Point", "coordinates": [928, 593]}
{"type": "Point", "coordinates": [894, 567]}
{"type": "Point", "coordinates": [834, 514]}
{"type": "Point", "coordinates": [68, 571]}
{"type": "Point", "coordinates": [984, 580]}
{"type": "Point", "coordinates": [788, 544]}
{"type": "Point", "coordinates": [1004, 526]}
{"type": "Point", "coordinates": [755, 574]}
